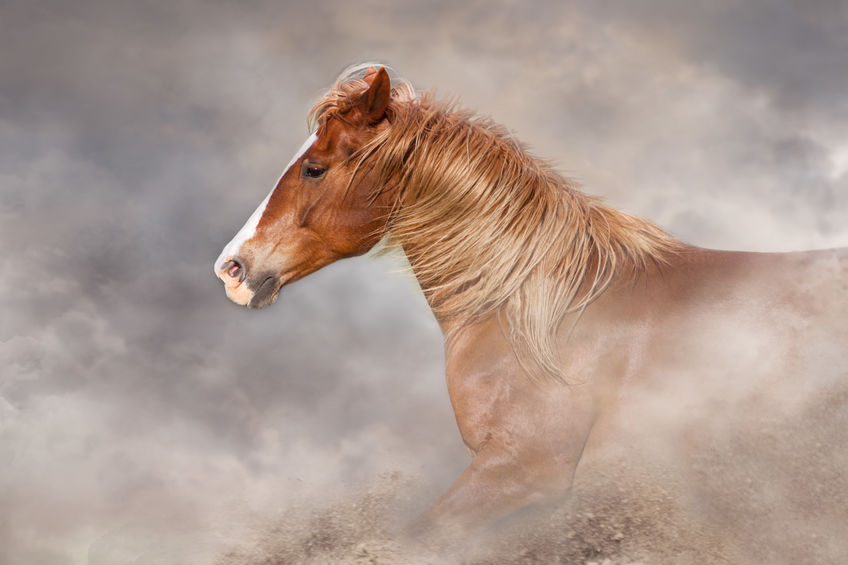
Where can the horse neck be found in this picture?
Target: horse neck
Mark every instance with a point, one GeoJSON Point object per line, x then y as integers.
{"type": "Point", "coordinates": [488, 228]}
{"type": "Point", "coordinates": [474, 211]}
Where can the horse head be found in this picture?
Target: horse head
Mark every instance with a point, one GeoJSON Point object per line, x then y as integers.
{"type": "Point", "coordinates": [323, 208]}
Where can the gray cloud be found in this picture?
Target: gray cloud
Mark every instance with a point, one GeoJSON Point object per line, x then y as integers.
{"type": "Point", "coordinates": [136, 402]}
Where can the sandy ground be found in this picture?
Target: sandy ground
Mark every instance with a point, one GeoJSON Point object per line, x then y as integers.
{"type": "Point", "coordinates": [773, 494]}
{"type": "Point", "coordinates": [608, 522]}
{"type": "Point", "coordinates": [601, 526]}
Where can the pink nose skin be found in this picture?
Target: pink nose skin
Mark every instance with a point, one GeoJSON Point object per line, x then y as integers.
{"type": "Point", "coordinates": [234, 269]}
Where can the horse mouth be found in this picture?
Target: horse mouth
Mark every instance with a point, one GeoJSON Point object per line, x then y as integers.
{"type": "Point", "coordinates": [266, 293]}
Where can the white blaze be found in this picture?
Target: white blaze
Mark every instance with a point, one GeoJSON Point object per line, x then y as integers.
{"type": "Point", "coordinates": [249, 229]}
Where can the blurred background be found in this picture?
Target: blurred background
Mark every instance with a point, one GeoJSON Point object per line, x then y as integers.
{"type": "Point", "coordinates": [146, 419]}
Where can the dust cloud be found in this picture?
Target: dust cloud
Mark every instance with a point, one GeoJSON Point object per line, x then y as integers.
{"type": "Point", "coordinates": [749, 477]}
{"type": "Point", "coordinates": [146, 420]}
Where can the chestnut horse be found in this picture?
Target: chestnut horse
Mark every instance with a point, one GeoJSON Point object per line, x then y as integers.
{"type": "Point", "coordinates": [560, 314]}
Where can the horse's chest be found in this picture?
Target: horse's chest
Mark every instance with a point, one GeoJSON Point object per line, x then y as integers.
{"type": "Point", "coordinates": [495, 400]}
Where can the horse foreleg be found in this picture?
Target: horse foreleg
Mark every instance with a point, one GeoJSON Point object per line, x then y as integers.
{"type": "Point", "coordinates": [526, 438]}
{"type": "Point", "coordinates": [495, 484]}
{"type": "Point", "coordinates": [503, 477]}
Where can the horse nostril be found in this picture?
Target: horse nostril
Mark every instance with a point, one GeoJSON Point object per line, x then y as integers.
{"type": "Point", "coordinates": [234, 269]}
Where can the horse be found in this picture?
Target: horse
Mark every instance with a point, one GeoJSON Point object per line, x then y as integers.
{"type": "Point", "coordinates": [566, 322]}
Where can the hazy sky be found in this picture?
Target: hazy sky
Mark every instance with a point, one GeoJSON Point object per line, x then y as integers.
{"type": "Point", "coordinates": [142, 414]}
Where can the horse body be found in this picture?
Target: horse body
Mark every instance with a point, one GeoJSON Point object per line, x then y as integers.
{"type": "Point", "coordinates": [569, 326]}
{"type": "Point", "coordinates": [711, 334]}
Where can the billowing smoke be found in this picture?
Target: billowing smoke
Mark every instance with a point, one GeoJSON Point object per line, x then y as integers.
{"type": "Point", "coordinates": [145, 419]}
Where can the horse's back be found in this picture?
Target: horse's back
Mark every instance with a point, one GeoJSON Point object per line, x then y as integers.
{"type": "Point", "coordinates": [736, 311]}
{"type": "Point", "coordinates": [731, 328]}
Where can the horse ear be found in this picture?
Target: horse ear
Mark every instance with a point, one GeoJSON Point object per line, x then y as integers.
{"type": "Point", "coordinates": [374, 101]}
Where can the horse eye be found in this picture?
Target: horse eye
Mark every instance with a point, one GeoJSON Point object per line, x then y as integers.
{"type": "Point", "coordinates": [314, 172]}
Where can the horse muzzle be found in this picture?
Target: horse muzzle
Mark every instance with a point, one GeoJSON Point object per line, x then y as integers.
{"type": "Point", "coordinates": [245, 288]}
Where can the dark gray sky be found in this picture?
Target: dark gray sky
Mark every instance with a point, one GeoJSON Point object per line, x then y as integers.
{"type": "Point", "coordinates": [140, 409]}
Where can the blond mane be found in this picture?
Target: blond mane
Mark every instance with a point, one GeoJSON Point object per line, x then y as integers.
{"type": "Point", "coordinates": [490, 229]}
